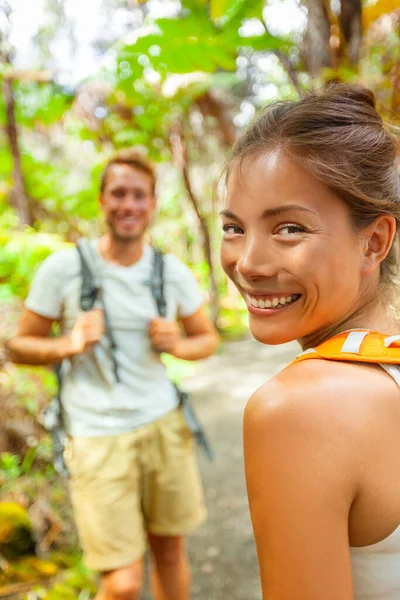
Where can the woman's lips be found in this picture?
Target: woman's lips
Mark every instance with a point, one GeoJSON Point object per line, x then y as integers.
{"type": "Point", "coordinates": [270, 301]}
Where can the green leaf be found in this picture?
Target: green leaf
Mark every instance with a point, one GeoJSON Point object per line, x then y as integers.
{"type": "Point", "coordinates": [185, 45]}
{"type": "Point", "coordinates": [23, 252]}
{"type": "Point", "coordinates": [267, 42]}
{"type": "Point", "coordinates": [6, 164]}
{"type": "Point", "coordinates": [224, 11]}
{"type": "Point", "coordinates": [131, 137]}
{"type": "Point", "coordinates": [40, 103]}
{"type": "Point", "coordinates": [190, 27]}
{"type": "Point", "coordinates": [194, 4]}
{"type": "Point", "coordinates": [218, 8]}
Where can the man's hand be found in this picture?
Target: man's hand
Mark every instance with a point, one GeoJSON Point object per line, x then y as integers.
{"type": "Point", "coordinates": [32, 346]}
{"type": "Point", "coordinates": [87, 331]}
{"type": "Point", "coordinates": [164, 335]}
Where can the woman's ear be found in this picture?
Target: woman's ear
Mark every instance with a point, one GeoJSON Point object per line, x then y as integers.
{"type": "Point", "coordinates": [378, 240]}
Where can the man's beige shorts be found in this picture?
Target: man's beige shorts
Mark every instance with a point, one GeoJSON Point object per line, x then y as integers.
{"type": "Point", "coordinates": [125, 486]}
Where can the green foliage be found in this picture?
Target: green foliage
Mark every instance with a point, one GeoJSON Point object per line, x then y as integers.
{"type": "Point", "coordinates": [76, 582]}
{"type": "Point", "coordinates": [177, 370]}
{"type": "Point", "coordinates": [20, 255]}
{"type": "Point", "coordinates": [16, 537]}
{"type": "Point", "coordinates": [5, 163]}
{"type": "Point", "coordinates": [27, 384]}
{"type": "Point", "coordinates": [219, 8]}
{"type": "Point", "coordinates": [13, 467]}
{"type": "Point", "coordinates": [196, 43]}
{"type": "Point", "coordinates": [379, 68]}
{"type": "Point", "coordinates": [40, 104]}
{"type": "Point", "coordinates": [10, 467]}
{"type": "Point", "coordinates": [31, 568]}
{"type": "Point", "coordinates": [229, 9]}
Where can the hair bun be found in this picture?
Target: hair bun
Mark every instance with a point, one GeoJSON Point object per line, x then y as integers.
{"type": "Point", "coordinates": [354, 92]}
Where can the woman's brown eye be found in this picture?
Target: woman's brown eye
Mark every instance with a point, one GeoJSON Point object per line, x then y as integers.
{"type": "Point", "coordinates": [291, 229]}
{"type": "Point", "coordinates": [232, 229]}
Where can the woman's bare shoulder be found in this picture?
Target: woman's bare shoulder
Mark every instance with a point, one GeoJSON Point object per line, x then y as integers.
{"type": "Point", "coordinates": [331, 396]}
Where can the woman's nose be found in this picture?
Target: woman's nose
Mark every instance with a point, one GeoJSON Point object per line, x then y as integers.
{"type": "Point", "coordinates": [255, 261]}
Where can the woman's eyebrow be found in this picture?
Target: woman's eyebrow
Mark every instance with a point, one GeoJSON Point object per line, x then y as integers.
{"type": "Point", "coordinates": [270, 212]}
{"type": "Point", "coordinates": [229, 214]}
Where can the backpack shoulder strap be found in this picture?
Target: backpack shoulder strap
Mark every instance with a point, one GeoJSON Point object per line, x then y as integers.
{"type": "Point", "coordinates": [90, 288]}
{"type": "Point", "coordinates": [157, 282]}
{"type": "Point", "coordinates": [157, 289]}
{"type": "Point", "coordinates": [91, 291]}
{"type": "Point", "coordinates": [357, 346]}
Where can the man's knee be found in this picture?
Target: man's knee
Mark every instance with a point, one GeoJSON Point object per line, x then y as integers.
{"type": "Point", "coordinates": [122, 590]}
{"type": "Point", "coordinates": [167, 550]}
{"type": "Point", "coordinates": [122, 584]}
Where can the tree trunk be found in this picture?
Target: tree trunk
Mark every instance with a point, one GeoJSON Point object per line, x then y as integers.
{"type": "Point", "coordinates": [395, 101]}
{"type": "Point", "coordinates": [318, 34]}
{"type": "Point", "coordinates": [19, 196]}
{"type": "Point", "coordinates": [180, 156]}
{"type": "Point", "coordinates": [209, 104]}
{"type": "Point", "coordinates": [290, 70]}
{"type": "Point", "coordinates": [350, 25]}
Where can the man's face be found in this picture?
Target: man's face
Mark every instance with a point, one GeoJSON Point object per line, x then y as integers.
{"type": "Point", "coordinates": [128, 202]}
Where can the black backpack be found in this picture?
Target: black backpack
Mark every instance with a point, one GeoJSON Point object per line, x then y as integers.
{"type": "Point", "coordinates": [52, 418]}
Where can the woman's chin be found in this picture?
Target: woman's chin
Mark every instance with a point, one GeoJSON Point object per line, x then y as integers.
{"type": "Point", "coordinates": [271, 336]}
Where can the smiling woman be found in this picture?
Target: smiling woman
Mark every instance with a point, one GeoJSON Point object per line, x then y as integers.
{"type": "Point", "coordinates": [311, 227]}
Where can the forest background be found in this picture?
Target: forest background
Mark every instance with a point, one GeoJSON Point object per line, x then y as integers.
{"type": "Point", "coordinates": [178, 79]}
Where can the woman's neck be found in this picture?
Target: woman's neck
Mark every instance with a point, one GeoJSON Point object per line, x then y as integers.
{"type": "Point", "coordinates": [372, 315]}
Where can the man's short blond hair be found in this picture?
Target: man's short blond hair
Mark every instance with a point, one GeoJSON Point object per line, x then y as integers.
{"type": "Point", "coordinates": [133, 159]}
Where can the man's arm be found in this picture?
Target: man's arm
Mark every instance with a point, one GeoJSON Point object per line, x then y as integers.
{"type": "Point", "coordinates": [32, 346]}
{"type": "Point", "coordinates": [200, 340]}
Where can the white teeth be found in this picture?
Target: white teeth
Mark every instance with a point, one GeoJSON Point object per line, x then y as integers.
{"type": "Point", "coordinates": [274, 303]}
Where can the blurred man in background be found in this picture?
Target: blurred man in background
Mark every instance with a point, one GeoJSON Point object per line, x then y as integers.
{"type": "Point", "coordinates": [134, 477]}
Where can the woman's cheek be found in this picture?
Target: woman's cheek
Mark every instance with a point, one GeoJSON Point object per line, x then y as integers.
{"type": "Point", "coordinates": [229, 257]}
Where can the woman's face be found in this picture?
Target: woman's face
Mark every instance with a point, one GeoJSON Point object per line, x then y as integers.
{"type": "Point", "coordinates": [289, 247]}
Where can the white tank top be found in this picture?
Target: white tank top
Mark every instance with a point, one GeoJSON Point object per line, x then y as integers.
{"type": "Point", "coordinates": [376, 568]}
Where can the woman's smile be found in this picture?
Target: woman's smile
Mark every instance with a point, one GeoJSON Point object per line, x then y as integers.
{"type": "Point", "coordinates": [268, 304]}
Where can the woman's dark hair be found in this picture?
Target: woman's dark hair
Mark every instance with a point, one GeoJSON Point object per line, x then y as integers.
{"type": "Point", "coordinates": [337, 136]}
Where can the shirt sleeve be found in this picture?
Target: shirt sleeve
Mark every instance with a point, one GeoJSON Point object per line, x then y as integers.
{"type": "Point", "coordinates": [188, 294]}
{"type": "Point", "coordinates": [46, 294]}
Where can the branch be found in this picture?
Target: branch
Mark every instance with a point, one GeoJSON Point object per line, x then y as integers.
{"type": "Point", "coordinates": [181, 160]}
{"type": "Point", "coordinates": [13, 589]}
{"type": "Point", "coordinates": [320, 53]}
{"type": "Point", "coordinates": [180, 156]}
{"type": "Point", "coordinates": [350, 25]}
{"type": "Point", "coordinates": [290, 70]}
{"type": "Point", "coordinates": [36, 76]}
{"type": "Point", "coordinates": [210, 105]}
{"type": "Point", "coordinates": [395, 100]}
{"type": "Point", "coordinates": [20, 199]}
{"type": "Point", "coordinates": [287, 65]}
